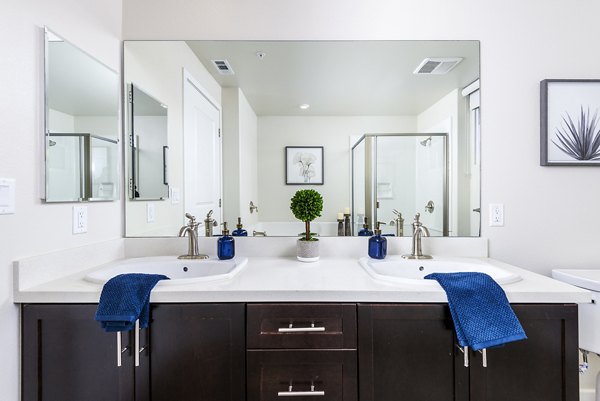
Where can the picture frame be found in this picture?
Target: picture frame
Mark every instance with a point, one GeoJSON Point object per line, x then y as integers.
{"type": "Point", "coordinates": [304, 165]}
{"type": "Point", "coordinates": [570, 122]}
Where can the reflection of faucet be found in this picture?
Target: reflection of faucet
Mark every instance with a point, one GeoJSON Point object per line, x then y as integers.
{"type": "Point", "coordinates": [419, 230]}
{"type": "Point", "coordinates": [191, 229]}
{"type": "Point", "coordinates": [398, 222]}
{"type": "Point", "coordinates": [253, 208]}
{"type": "Point", "coordinates": [259, 233]}
{"type": "Point", "coordinates": [209, 223]}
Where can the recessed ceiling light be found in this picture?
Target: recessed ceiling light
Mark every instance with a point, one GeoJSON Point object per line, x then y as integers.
{"type": "Point", "coordinates": [304, 106]}
{"type": "Point", "coordinates": [261, 55]}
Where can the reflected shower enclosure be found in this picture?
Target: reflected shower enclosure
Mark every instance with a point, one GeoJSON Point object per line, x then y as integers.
{"type": "Point", "coordinates": [403, 172]}
{"type": "Point", "coordinates": [81, 166]}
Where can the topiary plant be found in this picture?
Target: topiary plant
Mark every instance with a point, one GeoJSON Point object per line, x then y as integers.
{"type": "Point", "coordinates": [307, 205]}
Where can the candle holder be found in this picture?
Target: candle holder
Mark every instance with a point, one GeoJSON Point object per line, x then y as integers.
{"type": "Point", "coordinates": [340, 228]}
{"type": "Point", "coordinates": [347, 225]}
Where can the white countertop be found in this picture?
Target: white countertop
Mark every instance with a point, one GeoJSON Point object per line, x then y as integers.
{"type": "Point", "coordinates": [284, 279]}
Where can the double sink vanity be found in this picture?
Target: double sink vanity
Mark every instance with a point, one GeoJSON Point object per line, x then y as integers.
{"type": "Point", "coordinates": [263, 326]}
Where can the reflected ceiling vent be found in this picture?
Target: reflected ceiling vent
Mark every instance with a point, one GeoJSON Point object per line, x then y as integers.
{"type": "Point", "coordinates": [437, 65]}
{"type": "Point", "coordinates": [223, 67]}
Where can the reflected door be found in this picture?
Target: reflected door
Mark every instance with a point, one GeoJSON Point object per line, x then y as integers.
{"type": "Point", "coordinates": [202, 152]}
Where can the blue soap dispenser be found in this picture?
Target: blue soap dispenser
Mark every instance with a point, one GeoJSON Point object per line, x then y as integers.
{"type": "Point", "coordinates": [239, 231]}
{"type": "Point", "coordinates": [225, 245]}
{"type": "Point", "coordinates": [365, 232]}
{"type": "Point", "coordinates": [378, 244]}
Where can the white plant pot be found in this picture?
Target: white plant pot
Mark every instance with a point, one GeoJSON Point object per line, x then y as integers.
{"type": "Point", "coordinates": [307, 251]}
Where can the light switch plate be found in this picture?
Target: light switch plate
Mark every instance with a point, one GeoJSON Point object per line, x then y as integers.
{"type": "Point", "coordinates": [175, 196]}
{"type": "Point", "coordinates": [80, 219]}
{"type": "Point", "coordinates": [7, 196]}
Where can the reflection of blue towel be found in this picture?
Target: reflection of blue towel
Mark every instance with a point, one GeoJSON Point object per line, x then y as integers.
{"type": "Point", "coordinates": [125, 299]}
{"type": "Point", "coordinates": [480, 310]}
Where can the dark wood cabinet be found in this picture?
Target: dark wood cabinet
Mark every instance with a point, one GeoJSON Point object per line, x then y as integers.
{"type": "Point", "coordinates": [190, 352]}
{"type": "Point", "coordinates": [261, 352]}
{"type": "Point", "coordinates": [304, 351]}
{"type": "Point", "coordinates": [411, 350]}
{"type": "Point", "coordinates": [66, 356]}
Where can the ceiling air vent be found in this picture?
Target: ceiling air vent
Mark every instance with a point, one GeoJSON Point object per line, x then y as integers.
{"type": "Point", "coordinates": [439, 65]}
{"type": "Point", "coordinates": [223, 67]}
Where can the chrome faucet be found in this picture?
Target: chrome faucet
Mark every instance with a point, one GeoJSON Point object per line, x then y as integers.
{"type": "Point", "coordinates": [209, 223]}
{"type": "Point", "coordinates": [419, 230]}
{"type": "Point", "coordinates": [191, 229]}
{"type": "Point", "coordinates": [253, 207]}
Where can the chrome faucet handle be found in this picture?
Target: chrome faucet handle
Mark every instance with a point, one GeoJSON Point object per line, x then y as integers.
{"type": "Point", "coordinates": [417, 217]}
{"type": "Point", "coordinates": [209, 214]}
{"type": "Point", "coordinates": [192, 223]}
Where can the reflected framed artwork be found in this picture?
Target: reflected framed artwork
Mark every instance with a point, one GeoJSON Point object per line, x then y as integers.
{"type": "Point", "coordinates": [304, 165]}
{"type": "Point", "coordinates": [570, 122]}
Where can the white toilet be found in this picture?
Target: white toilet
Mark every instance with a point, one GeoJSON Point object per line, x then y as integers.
{"type": "Point", "coordinates": [589, 314]}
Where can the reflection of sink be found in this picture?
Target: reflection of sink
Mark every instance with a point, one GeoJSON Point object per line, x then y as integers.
{"type": "Point", "coordinates": [178, 270]}
{"type": "Point", "coordinates": [395, 269]}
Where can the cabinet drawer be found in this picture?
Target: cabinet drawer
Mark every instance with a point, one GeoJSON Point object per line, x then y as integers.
{"type": "Point", "coordinates": [305, 326]}
{"type": "Point", "coordinates": [302, 375]}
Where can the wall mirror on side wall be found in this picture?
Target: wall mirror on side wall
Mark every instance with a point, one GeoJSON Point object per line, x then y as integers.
{"type": "Point", "coordinates": [148, 151]}
{"type": "Point", "coordinates": [397, 122]}
{"type": "Point", "coordinates": [81, 127]}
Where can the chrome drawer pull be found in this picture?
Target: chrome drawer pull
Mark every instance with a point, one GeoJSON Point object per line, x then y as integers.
{"type": "Point", "coordinates": [292, 393]}
{"type": "Point", "coordinates": [292, 329]}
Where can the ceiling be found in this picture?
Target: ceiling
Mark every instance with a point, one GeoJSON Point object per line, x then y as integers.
{"type": "Point", "coordinates": [339, 77]}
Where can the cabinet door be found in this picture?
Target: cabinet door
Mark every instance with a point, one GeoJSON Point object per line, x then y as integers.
{"type": "Point", "coordinates": [67, 356]}
{"type": "Point", "coordinates": [193, 352]}
{"type": "Point", "coordinates": [542, 368]}
{"type": "Point", "coordinates": [408, 352]}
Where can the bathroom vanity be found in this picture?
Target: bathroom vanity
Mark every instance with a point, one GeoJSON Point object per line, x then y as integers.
{"type": "Point", "coordinates": [281, 328]}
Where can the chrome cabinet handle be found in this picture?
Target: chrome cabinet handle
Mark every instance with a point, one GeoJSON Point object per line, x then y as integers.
{"type": "Point", "coordinates": [465, 351]}
{"type": "Point", "coordinates": [136, 344]}
{"type": "Point", "coordinates": [292, 393]}
{"type": "Point", "coordinates": [483, 357]}
{"type": "Point", "coordinates": [292, 329]}
{"type": "Point", "coordinates": [119, 351]}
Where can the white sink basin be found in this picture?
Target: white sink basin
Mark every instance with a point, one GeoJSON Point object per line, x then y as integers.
{"type": "Point", "coordinates": [395, 269]}
{"type": "Point", "coordinates": [179, 271]}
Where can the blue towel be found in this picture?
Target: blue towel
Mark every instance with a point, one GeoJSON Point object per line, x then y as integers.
{"type": "Point", "coordinates": [480, 310]}
{"type": "Point", "coordinates": [125, 299]}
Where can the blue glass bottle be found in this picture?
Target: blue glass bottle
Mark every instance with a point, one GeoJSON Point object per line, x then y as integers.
{"type": "Point", "coordinates": [225, 245]}
{"type": "Point", "coordinates": [365, 232]}
{"type": "Point", "coordinates": [239, 231]}
{"type": "Point", "coordinates": [377, 244]}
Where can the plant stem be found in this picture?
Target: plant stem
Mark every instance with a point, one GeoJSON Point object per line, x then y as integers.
{"type": "Point", "coordinates": [307, 229]}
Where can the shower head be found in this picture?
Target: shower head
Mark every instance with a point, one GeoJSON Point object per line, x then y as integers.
{"type": "Point", "coordinates": [424, 141]}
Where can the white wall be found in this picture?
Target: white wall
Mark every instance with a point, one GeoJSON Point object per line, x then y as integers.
{"type": "Point", "coordinates": [275, 133]}
{"type": "Point", "coordinates": [240, 174]}
{"type": "Point", "coordinates": [36, 227]}
{"type": "Point", "coordinates": [157, 69]}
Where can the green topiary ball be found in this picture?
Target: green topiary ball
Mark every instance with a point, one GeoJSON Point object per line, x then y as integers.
{"type": "Point", "coordinates": [307, 205]}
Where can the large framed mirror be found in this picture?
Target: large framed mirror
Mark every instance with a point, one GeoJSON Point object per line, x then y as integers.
{"type": "Point", "coordinates": [410, 109]}
{"type": "Point", "coordinates": [81, 124]}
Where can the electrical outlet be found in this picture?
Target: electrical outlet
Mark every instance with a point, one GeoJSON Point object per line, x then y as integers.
{"type": "Point", "coordinates": [80, 219]}
{"type": "Point", "coordinates": [150, 212]}
{"type": "Point", "coordinates": [496, 215]}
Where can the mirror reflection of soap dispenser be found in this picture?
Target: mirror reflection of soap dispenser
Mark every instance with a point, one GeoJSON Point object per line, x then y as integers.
{"type": "Point", "coordinates": [225, 245]}
{"type": "Point", "coordinates": [365, 232]}
{"type": "Point", "coordinates": [378, 244]}
{"type": "Point", "coordinates": [239, 231]}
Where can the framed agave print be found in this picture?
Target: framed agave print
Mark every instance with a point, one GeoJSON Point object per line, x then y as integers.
{"type": "Point", "coordinates": [570, 122]}
{"type": "Point", "coordinates": [304, 165]}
